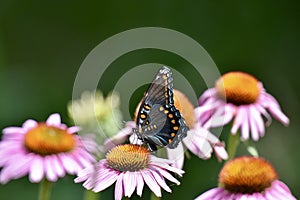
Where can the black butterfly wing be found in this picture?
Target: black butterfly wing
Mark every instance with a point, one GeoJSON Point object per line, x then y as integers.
{"type": "Point", "coordinates": [159, 123]}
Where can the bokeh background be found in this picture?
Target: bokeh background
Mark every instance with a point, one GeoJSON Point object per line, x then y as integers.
{"type": "Point", "coordinates": [42, 45]}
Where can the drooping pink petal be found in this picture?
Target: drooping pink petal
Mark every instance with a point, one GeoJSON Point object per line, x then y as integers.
{"type": "Point", "coordinates": [253, 125]}
{"type": "Point", "coordinates": [204, 149]}
{"type": "Point", "coordinates": [223, 193]}
{"type": "Point", "coordinates": [20, 167]}
{"type": "Point", "coordinates": [282, 190]}
{"type": "Point", "coordinates": [165, 164]}
{"type": "Point", "coordinates": [221, 116]}
{"type": "Point", "coordinates": [280, 184]}
{"type": "Point", "coordinates": [207, 94]}
{"type": "Point", "coordinates": [160, 180]}
{"type": "Point", "coordinates": [49, 169]}
{"type": "Point", "coordinates": [258, 118]}
{"type": "Point", "coordinates": [151, 182]}
{"type": "Point", "coordinates": [89, 184]}
{"type": "Point", "coordinates": [166, 174]}
{"type": "Point", "coordinates": [140, 184]}
{"type": "Point", "coordinates": [263, 111]}
{"type": "Point", "coordinates": [198, 142]}
{"type": "Point", "coordinates": [84, 174]}
{"type": "Point", "coordinates": [220, 152]}
{"type": "Point", "coordinates": [8, 148]}
{"type": "Point", "coordinates": [238, 120]}
{"type": "Point", "coordinates": [69, 164]}
{"type": "Point", "coordinates": [275, 194]}
{"type": "Point", "coordinates": [36, 173]}
{"type": "Point", "coordinates": [210, 194]}
{"type": "Point", "coordinates": [57, 166]}
{"type": "Point", "coordinates": [176, 156]}
{"type": "Point", "coordinates": [13, 130]}
{"type": "Point", "coordinates": [278, 114]}
{"type": "Point", "coordinates": [83, 158]}
{"type": "Point", "coordinates": [109, 179]}
{"type": "Point", "coordinates": [119, 191]}
{"type": "Point", "coordinates": [258, 196]}
{"type": "Point", "coordinates": [245, 123]}
{"type": "Point", "coordinates": [129, 182]}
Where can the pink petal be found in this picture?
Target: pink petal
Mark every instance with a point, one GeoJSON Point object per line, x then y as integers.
{"type": "Point", "coordinates": [165, 164]}
{"type": "Point", "coordinates": [282, 190]}
{"type": "Point", "coordinates": [83, 158]}
{"type": "Point", "coordinates": [119, 187]}
{"type": "Point", "coordinates": [166, 174]}
{"type": "Point", "coordinates": [245, 124]}
{"type": "Point", "coordinates": [176, 156]}
{"type": "Point", "coordinates": [129, 182]}
{"type": "Point", "coordinates": [204, 148]}
{"type": "Point", "coordinates": [8, 148]}
{"type": "Point", "coordinates": [258, 196]}
{"type": "Point", "coordinates": [109, 179]}
{"type": "Point", "coordinates": [69, 164]}
{"type": "Point", "coordinates": [221, 116]}
{"type": "Point", "coordinates": [54, 120]}
{"type": "Point", "coordinates": [160, 180]}
{"type": "Point", "coordinates": [140, 184]}
{"type": "Point", "coordinates": [74, 129]}
{"type": "Point", "coordinates": [238, 120]}
{"type": "Point", "coordinates": [259, 121]}
{"type": "Point", "coordinates": [253, 126]}
{"type": "Point", "coordinates": [84, 174]}
{"type": "Point", "coordinates": [263, 111]}
{"type": "Point", "coordinates": [57, 166]}
{"type": "Point", "coordinates": [210, 194]}
{"type": "Point", "coordinates": [201, 147]}
{"type": "Point", "coordinates": [152, 184]}
{"type": "Point", "coordinates": [29, 124]}
{"type": "Point", "coordinates": [19, 167]}
{"type": "Point", "coordinates": [49, 169]}
{"type": "Point", "coordinates": [278, 114]}
{"type": "Point", "coordinates": [220, 152]}
{"type": "Point", "coordinates": [36, 173]}
{"type": "Point", "coordinates": [13, 130]}
{"type": "Point", "coordinates": [89, 184]}
{"type": "Point", "coordinates": [277, 194]}
{"type": "Point", "coordinates": [280, 184]}
{"type": "Point", "coordinates": [207, 94]}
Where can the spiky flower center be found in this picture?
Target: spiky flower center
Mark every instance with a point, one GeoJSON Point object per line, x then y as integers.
{"type": "Point", "coordinates": [128, 157]}
{"type": "Point", "coordinates": [46, 140]}
{"type": "Point", "coordinates": [247, 175]}
{"type": "Point", "coordinates": [238, 88]}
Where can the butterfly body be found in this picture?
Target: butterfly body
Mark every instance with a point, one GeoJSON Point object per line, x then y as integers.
{"type": "Point", "coordinates": [159, 122]}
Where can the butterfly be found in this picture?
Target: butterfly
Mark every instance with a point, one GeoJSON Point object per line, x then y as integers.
{"type": "Point", "coordinates": [159, 122]}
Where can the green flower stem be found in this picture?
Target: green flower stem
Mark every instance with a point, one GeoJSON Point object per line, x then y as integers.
{"type": "Point", "coordinates": [154, 197]}
{"type": "Point", "coordinates": [45, 189]}
{"type": "Point", "coordinates": [90, 195]}
{"type": "Point", "coordinates": [232, 144]}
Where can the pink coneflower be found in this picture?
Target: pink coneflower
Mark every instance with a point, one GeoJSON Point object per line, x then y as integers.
{"type": "Point", "coordinates": [199, 141]}
{"type": "Point", "coordinates": [240, 96]}
{"type": "Point", "coordinates": [42, 150]}
{"type": "Point", "coordinates": [130, 166]}
{"type": "Point", "coordinates": [248, 178]}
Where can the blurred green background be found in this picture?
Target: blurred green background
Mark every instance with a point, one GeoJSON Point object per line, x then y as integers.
{"type": "Point", "coordinates": [43, 43]}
